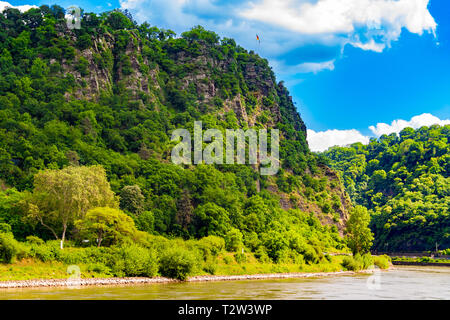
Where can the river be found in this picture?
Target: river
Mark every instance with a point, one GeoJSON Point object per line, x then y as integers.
{"type": "Point", "coordinates": [400, 283]}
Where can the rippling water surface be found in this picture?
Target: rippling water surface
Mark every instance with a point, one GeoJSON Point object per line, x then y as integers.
{"type": "Point", "coordinates": [401, 283]}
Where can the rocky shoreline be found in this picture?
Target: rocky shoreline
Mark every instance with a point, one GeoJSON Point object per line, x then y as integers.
{"type": "Point", "coordinates": [137, 281]}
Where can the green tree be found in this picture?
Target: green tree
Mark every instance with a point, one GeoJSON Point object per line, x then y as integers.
{"type": "Point", "coordinates": [107, 224]}
{"type": "Point", "coordinates": [132, 200]}
{"type": "Point", "coordinates": [62, 196]}
{"type": "Point", "coordinates": [359, 236]}
{"type": "Point", "coordinates": [211, 220]}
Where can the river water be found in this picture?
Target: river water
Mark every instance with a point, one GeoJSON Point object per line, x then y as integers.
{"type": "Point", "coordinates": [400, 283]}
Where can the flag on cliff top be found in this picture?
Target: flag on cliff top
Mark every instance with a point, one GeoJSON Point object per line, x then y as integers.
{"type": "Point", "coordinates": [257, 38]}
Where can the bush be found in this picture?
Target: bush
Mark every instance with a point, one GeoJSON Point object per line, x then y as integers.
{"type": "Point", "coordinates": [43, 252]}
{"type": "Point", "coordinates": [5, 228]}
{"type": "Point", "coordinates": [310, 255]}
{"type": "Point", "coordinates": [211, 245]}
{"type": "Point", "coordinates": [261, 255]}
{"type": "Point", "coordinates": [72, 256]}
{"type": "Point", "coordinates": [349, 263]}
{"type": "Point", "coordinates": [23, 251]}
{"type": "Point", "coordinates": [227, 260]}
{"type": "Point", "coordinates": [35, 240]}
{"type": "Point", "coordinates": [135, 261]}
{"type": "Point", "coordinates": [210, 268]}
{"type": "Point", "coordinates": [233, 240]}
{"type": "Point", "coordinates": [146, 221]}
{"type": "Point", "coordinates": [275, 243]}
{"type": "Point", "coordinates": [367, 261]}
{"type": "Point", "coordinates": [8, 248]}
{"type": "Point", "coordinates": [381, 262]}
{"type": "Point", "coordinates": [240, 257]}
{"type": "Point", "coordinates": [98, 268]}
{"type": "Point", "coordinates": [177, 263]}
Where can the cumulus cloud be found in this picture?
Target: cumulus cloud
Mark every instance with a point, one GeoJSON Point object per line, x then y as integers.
{"type": "Point", "coordinates": [367, 24]}
{"type": "Point", "coordinates": [286, 25]}
{"type": "Point", "coordinates": [321, 141]}
{"type": "Point", "coordinates": [22, 8]}
{"type": "Point", "coordinates": [425, 119]}
{"type": "Point", "coordinates": [313, 67]}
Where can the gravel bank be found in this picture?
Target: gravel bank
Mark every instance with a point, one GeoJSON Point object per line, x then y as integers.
{"type": "Point", "coordinates": [134, 281]}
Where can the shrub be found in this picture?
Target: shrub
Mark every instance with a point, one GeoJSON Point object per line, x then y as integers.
{"type": "Point", "coordinates": [381, 262]}
{"type": "Point", "coordinates": [146, 221]}
{"type": "Point", "coordinates": [35, 240]}
{"type": "Point", "coordinates": [425, 259]}
{"type": "Point", "coordinates": [233, 240]}
{"type": "Point", "coordinates": [240, 257]}
{"type": "Point", "coordinates": [72, 256]}
{"type": "Point", "coordinates": [43, 252]}
{"type": "Point", "coordinates": [23, 251]}
{"type": "Point", "coordinates": [177, 263]}
{"type": "Point", "coordinates": [310, 255]}
{"type": "Point", "coordinates": [261, 255]}
{"type": "Point", "coordinates": [275, 243]}
{"type": "Point", "coordinates": [101, 255]}
{"type": "Point", "coordinates": [252, 241]}
{"type": "Point", "coordinates": [211, 245]}
{"type": "Point", "coordinates": [5, 228]}
{"type": "Point", "coordinates": [98, 268]}
{"type": "Point", "coordinates": [210, 268]}
{"type": "Point", "coordinates": [227, 260]}
{"type": "Point", "coordinates": [367, 261]}
{"type": "Point", "coordinates": [137, 261]}
{"type": "Point", "coordinates": [349, 263]}
{"type": "Point", "coordinates": [8, 248]}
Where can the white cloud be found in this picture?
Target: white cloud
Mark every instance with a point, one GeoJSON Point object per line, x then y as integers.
{"type": "Point", "coordinates": [321, 141]}
{"type": "Point", "coordinates": [416, 122]}
{"type": "Point", "coordinates": [371, 20]}
{"type": "Point", "coordinates": [314, 67]}
{"type": "Point", "coordinates": [22, 8]}
{"type": "Point", "coordinates": [163, 13]}
{"type": "Point", "coordinates": [286, 25]}
{"type": "Point", "coordinates": [370, 46]}
{"type": "Point", "coordinates": [288, 72]}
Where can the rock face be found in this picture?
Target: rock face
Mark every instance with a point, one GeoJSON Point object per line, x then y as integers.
{"type": "Point", "coordinates": [117, 64]}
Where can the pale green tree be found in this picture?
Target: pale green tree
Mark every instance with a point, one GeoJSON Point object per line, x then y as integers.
{"type": "Point", "coordinates": [106, 224]}
{"type": "Point", "coordinates": [62, 196]}
{"type": "Point", "coordinates": [359, 237]}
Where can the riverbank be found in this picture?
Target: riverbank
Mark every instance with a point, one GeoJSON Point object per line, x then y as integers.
{"type": "Point", "coordinates": [418, 263]}
{"type": "Point", "coordinates": [137, 281]}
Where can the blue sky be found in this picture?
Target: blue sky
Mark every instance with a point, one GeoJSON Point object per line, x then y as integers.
{"type": "Point", "coordinates": [356, 68]}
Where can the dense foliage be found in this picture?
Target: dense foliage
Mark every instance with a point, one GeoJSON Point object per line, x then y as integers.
{"type": "Point", "coordinates": [405, 182]}
{"type": "Point", "coordinates": [86, 117]}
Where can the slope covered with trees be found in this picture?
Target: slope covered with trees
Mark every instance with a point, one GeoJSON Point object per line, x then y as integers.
{"type": "Point", "coordinates": [86, 117]}
{"type": "Point", "coordinates": [405, 182]}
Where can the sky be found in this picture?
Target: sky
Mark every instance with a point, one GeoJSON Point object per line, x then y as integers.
{"type": "Point", "coordinates": [356, 68]}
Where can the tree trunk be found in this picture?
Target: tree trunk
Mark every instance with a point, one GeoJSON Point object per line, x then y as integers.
{"type": "Point", "coordinates": [63, 237]}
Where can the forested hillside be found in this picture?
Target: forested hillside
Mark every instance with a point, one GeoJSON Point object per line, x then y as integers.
{"type": "Point", "coordinates": [111, 93]}
{"type": "Point", "coordinates": [405, 182]}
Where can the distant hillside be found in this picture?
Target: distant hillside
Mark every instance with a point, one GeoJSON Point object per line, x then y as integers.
{"type": "Point", "coordinates": [405, 181]}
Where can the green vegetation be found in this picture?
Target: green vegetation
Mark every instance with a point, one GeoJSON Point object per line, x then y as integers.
{"type": "Point", "coordinates": [404, 181]}
{"type": "Point", "coordinates": [420, 260]}
{"type": "Point", "coordinates": [86, 118]}
{"type": "Point", "coordinates": [359, 235]}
